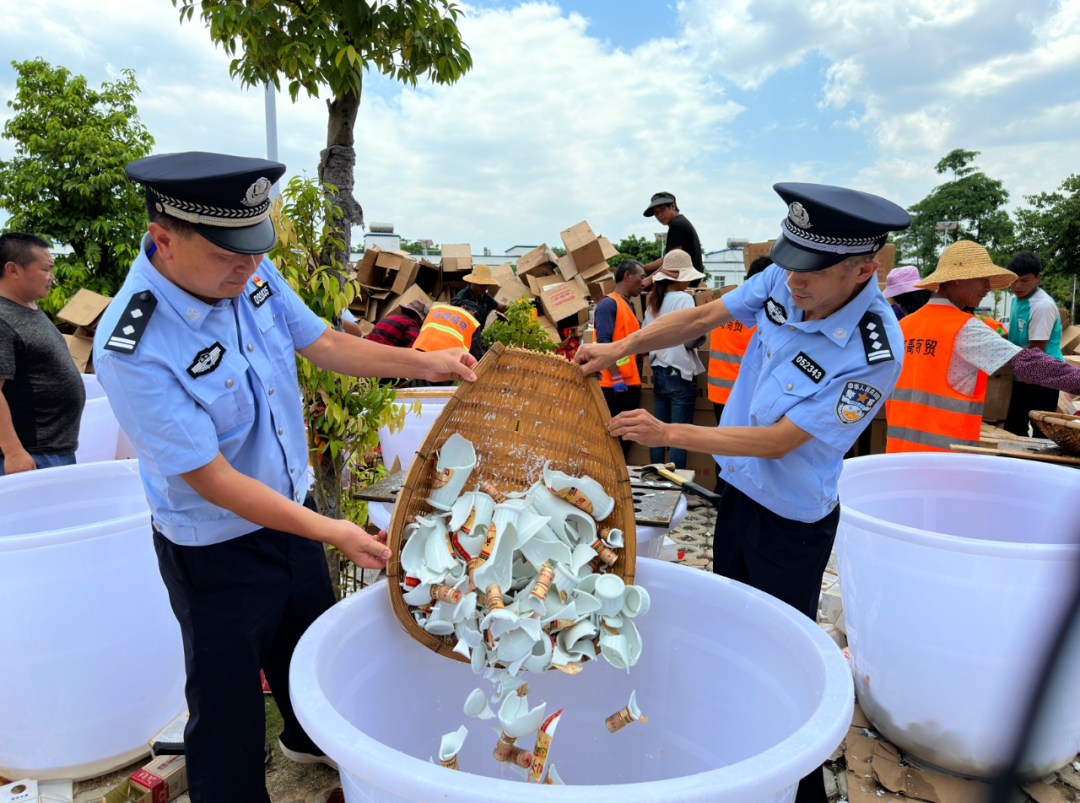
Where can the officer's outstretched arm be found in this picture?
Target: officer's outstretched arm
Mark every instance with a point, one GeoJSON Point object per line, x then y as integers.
{"type": "Point", "coordinates": [220, 484]}
{"type": "Point", "coordinates": [354, 356]}
{"type": "Point", "coordinates": [672, 329]}
{"type": "Point", "coordinates": [770, 443]}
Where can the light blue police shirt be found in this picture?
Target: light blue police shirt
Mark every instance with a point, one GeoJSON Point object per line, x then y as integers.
{"type": "Point", "coordinates": [828, 377]}
{"type": "Point", "coordinates": [209, 378]}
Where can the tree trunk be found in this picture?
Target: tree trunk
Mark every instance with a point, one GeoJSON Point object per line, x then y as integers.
{"type": "Point", "coordinates": [327, 479]}
{"type": "Point", "coordinates": [336, 165]}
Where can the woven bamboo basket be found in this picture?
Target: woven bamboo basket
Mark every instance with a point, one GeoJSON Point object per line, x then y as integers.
{"type": "Point", "coordinates": [525, 408]}
{"type": "Point", "coordinates": [1064, 430]}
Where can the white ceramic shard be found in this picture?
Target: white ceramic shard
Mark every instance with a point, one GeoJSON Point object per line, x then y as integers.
{"type": "Point", "coordinates": [553, 777]}
{"type": "Point", "coordinates": [583, 553]}
{"type": "Point", "coordinates": [451, 744]}
{"type": "Point", "coordinates": [587, 584]}
{"type": "Point", "coordinates": [498, 569]}
{"type": "Point", "coordinates": [609, 590]}
{"type": "Point", "coordinates": [438, 556]}
{"type": "Point", "coordinates": [462, 649]}
{"type": "Point", "coordinates": [439, 627]}
{"type": "Point", "coordinates": [586, 603]}
{"type": "Point", "coordinates": [636, 601]}
{"type": "Point", "coordinates": [524, 723]}
{"type": "Point", "coordinates": [560, 611]}
{"type": "Point", "coordinates": [467, 631]}
{"type": "Point", "coordinates": [539, 550]}
{"type": "Point", "coordinates": [500, 621]}
{"type": "Point", "coordinates": [614, 622]}
{"type": "Point", "coordinates": [479, 659]}
{"type": "Point", "coordinates": [633, 640]}
{"type": "Point", "coordinates": [565, 580]}
{"type": "Point", "coordinates": [471, 531]}
{"type": "Point", "coordinates": [527, 522]}
{"type": "Point", "coordinates": [457, 459]}
{"type": "Point", "coordinates": [624, 716]}
{"type": "Point", "coordinates": [614, 649]}
{"type": "Point", "coordinates": [558, 511]}
{"type": "Point", "coordinates": [584, 492]}
{"type": "Point", "coordinates": [412, 554]}
{"type": "Point", "coordinates": [540, 658]}
{"type": "Point", "coordinates": [514, 645]}
{"type": "Point", "coordinates": [476, 705]}
{"type": "Point", "coordinates": [573, 639]}
{"type": "Point", "coordinates": [613, 538]}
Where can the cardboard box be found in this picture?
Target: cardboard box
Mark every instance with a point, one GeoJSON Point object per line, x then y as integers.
{"type": "Point", "coordinates": [456, 258]}
{"type": "Point", "coordinates": [1070, 340]}
{"type": "Point", "coordinates": [563, 300]}
{"type": "Point", "coordinates": [160, 781]}
{"type": "Point", "coordinates": [84, 309]}
{"type": "Point", "coordinates": [999, 388]}
{"type": "Point", "coordinates": [404, 276]}
{"type": "Point", "coordinates": [396, 302]}
{"type": "Point", "coordinates": [588, 252]}
{"type": "Point", "coordinates": [510, 288]}
{"type": "Point", "coordinates": [429, 277]}
{"type": "Point", "coordinates": [538, 283]}
{"type": "Point", "coordinates": [549, 327]}
{"type": "Point", "coordinates": [391, 260]}
{"type": "Point", "coordinates": [32, 791]}
{"type": "Point", "coordinates": [541, 261]}
{"type": "Point", "coordinates": [752, 251]}
{"type": "Point", "coordinates": [368, 272]}
{"type": "Point", "coordinates": [702, 297]}
{"type": "Point", "coordinates": [567, 268]}
{"type": "Point", "coordinates": [598, 290]}
{"type": "Point", "coordinates": [886, 259]}
{"type": "Point", "coordinates": [81, 347]}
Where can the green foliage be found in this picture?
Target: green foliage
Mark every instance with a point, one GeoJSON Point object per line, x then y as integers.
{"type": "Point", "coordinates": [66, 180]}
{"type": "Point", "coordinates": [344, 413]}
{"type": "Point", "coordinates": [331, 43]}
{"type": "Point", "coordinates": [639, 248]}
{"type": "Point", "coordinates": [972, 199]}
{"type": "Point", "coordinates": [1051, 227]}
{"type": "Point", "coordinates": [413, 247]}
{"type": "Point", "coordinates": [521, 329]}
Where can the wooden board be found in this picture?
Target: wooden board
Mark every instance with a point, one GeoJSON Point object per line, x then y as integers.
{"type": "Point", "coordinates": [1017, 449]}
{"type": "Point", "coordinates": [654, 500]}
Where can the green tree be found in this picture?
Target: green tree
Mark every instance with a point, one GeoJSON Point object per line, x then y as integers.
{"type": "Point", "coordinates": [314, 44]}
{"type": "Point", "coordinates": [639, 248]}
{"type": "Point", "coordinates": [521, 329]}
{"type": "Point", "coordinates": [66, 180]}
{"type": "Point", "coordinates": [1051, 228]}
{"type": "Point", "coordinates": [344, 413]}
{"type": "Point", "coordinates": [414, 247]}
{"type": "Point", "coordinates": [972, 200]}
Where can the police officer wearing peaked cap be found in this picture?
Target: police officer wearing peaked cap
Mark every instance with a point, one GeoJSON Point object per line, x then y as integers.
{"type": "Point", "coordinates": [197, 356]}
{"type": "Point", "coordinates": [826, 354]}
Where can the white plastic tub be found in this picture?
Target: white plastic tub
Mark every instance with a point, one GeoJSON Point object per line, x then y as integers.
{"type": "Point", "coordinates": [98, 428]}
{"type": "Point", "coordinates": [402, 445]}
{"type": "Point", "coordinates": [955, 569]}
{"type": "Point", "coordinates": [744, 697]}
{"type": "Point", "coordinates": [92, 664]}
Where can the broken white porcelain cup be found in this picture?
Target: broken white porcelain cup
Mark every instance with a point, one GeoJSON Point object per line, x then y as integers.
{"type": "Point", "coordinates": [457, 459]}
{"type": "Point", "coordinates": [584, 492]}
{"type": "Point", "coordinates": [476, 705]}
{"type": "Point", "coordinates": [609, 590]}
{"type": "Point", "coordinates": [635, 602]}
{"type": "Point", "coordinates": [450, 746]}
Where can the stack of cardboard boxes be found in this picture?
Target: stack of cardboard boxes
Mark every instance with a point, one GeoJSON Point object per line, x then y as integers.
{"type": "Point", "coordinates": [79, 320]}
{"type": "Point", "coordinates": [389, 280]}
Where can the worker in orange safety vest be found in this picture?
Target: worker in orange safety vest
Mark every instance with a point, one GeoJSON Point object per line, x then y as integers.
{"type": "Point", "coordinates": [615, 319]}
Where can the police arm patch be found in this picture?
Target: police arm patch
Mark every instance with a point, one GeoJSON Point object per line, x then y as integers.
{"type": "Point", "coordinates": [775, 311]}
{"type": "Point", "coordinates": [132, 323]}
{"type": "Point", "coordinates": [875, 341]}
{"type": "Point", "coordinates": [856, 401]}
{"type": "Point", "coordinates": [206, 361]}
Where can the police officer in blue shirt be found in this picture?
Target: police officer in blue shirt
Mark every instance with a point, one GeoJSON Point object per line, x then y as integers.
{"type": "Point", "coordinates": [197, 356]}
{"type": "Point", "coordinates": [826, 354]}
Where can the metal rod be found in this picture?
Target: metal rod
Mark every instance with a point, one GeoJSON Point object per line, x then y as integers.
{"type": "Point", "coordinates": [271, 130]}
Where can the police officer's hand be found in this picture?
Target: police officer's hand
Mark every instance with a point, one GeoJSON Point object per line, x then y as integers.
{"type": "Point", "coordinates": [638, 426]}
{"type": "Point", "coordinates": [449, 364]}
{"type": "Point", "coordinates": [595, 357]}
{"type": "Point", "coordinates": [366, 551]}
{"type": "Point", "coordinates": [18, 462]}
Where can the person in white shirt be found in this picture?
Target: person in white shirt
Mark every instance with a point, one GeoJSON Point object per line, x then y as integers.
{"type": "Point", "coordinates": [1034, 322]}
{"type": "Point", "coordinates": [674, 369]}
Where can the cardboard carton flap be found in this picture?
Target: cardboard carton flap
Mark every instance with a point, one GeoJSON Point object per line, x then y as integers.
{"type": "Point", "coordinates": [84, 308]}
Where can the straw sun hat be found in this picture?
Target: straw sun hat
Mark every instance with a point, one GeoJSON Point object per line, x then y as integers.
{"type": "Point", "coordinates": [481, 274]}
{"type": "Point", "coordinates": [967, 260]}
{"type": "Point", "coordinates": [678, 267]}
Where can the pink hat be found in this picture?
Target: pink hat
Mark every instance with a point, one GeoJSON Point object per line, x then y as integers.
{"type": "Point", "coordinates": [902, 280]}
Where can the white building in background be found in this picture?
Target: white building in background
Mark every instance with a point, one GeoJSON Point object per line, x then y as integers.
{"type": "Point", "coordinates": [724, 268]}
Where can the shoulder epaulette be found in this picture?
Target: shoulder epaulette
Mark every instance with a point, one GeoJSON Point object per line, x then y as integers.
{"type": "Point", "coordinates": [875, 341]}
{"type": "Point", "coordinates": [129, 329]}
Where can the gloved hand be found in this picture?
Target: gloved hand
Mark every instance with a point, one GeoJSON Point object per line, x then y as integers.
{"type": "Point", "coordinates": [618, 383]}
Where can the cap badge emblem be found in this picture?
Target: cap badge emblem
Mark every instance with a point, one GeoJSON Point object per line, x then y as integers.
{"type": "Point", "coordinates": [257, 192]}
{"type": "Point", "coordinates": [799, 216]}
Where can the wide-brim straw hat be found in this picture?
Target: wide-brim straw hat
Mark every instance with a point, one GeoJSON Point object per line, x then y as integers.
{"type": "Point", "coordinates": [481, 274]}
{"type": "Point", "coordinates": [678, 267]}
{"type": "Point", "coordinates": [967, 260]}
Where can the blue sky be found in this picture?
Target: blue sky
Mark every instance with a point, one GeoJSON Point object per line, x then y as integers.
{"type": "Point", "coordinates": [582, 109]}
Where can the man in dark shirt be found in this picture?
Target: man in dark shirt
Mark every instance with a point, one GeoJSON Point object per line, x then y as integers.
{"type": "Point", "coordinates": [681, 234]}
{"type": "Point", "coordinates": [400, 330]}
{"type": "Point", "coordinates": [41, 392]}
{"type": "Point", "coordinates": [480, 280]}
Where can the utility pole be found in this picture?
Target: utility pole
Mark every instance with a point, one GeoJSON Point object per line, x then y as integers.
{"type": "Point", "coordinates": [271, 130]}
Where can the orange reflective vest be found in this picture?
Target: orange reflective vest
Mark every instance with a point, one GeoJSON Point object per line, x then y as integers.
{"type": "Point", "coordinates": [924, 413]}
{"type": "Point", "coordinates": [995, 325]}
{"type": "Point", "coordinates": [626, 323]}
{"type": "Point", "coordinates": [727, 345]}
{"type": "Point", "coordinates": [446, 327]}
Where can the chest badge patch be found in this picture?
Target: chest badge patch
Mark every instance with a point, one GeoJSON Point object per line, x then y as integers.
{"type": "Point", "coordinates": [261, 292]}
{"type": "Point", "coordinates": [809, 367]}
{"type": "Point", "coordinates": [775, 311]}
{"type": "Point", "coordinates": [856, 401]}
{"type": "Point", "coordinates": [206, 361]}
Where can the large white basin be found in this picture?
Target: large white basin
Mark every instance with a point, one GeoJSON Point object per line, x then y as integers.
{"type": "Point", "coordinates": [92, 664]}
{"type": "Point", "coordinates": [403, 444]}
{"type": "Point", "coordinates": [745, 696]}
{"type": "Point", "coordinates": [955, 569]}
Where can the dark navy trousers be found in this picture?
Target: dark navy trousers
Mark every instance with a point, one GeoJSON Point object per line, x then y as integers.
{"type": "Point", "coordinates": [782, 557]}
{"type": "Point", "coordinates": [242, 605]}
